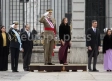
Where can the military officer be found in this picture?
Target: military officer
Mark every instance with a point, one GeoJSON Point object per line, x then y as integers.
{"type": "Point", "coordinates": [49, 35]}
{"type": "Point", "coordinates": [15, 46]}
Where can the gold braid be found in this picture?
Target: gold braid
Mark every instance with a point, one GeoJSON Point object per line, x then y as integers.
{"type": "Point", "coordinates": [11, 38]}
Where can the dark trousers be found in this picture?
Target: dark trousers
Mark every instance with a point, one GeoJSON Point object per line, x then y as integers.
{"type": "Point", "coordinates": [14, 58]}
{"type": "Point", "coordinates": [4, 58]}
{"type": "Point", "coordinates": [27, 58]}
{"type": "Point", "coordinates": [94, 54]}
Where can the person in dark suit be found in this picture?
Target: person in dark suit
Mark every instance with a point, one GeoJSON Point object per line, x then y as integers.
{"type": "Point", "coordinates": [93, 43]}
{"type": "Point", "coordinates": [34, 32]}
{"type": "Point", "coordinates": [27, 44]}
{"type": "Point", "coordinates": [15, 46]}
{"type": "Point", "coordinates": [4, 49]}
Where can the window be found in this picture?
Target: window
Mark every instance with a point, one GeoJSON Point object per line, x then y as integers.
{"type": "Point", "coordinates": [0, 14]}
{"type": "Point", "coordinates": [69, 6]}
{"type": "Point", "coordinates": [24, 1]}
{"type": "Point", "coordinates": [95, 10]}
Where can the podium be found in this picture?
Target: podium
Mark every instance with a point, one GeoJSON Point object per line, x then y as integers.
{"type": "Point", "coordinates": [58, 67]}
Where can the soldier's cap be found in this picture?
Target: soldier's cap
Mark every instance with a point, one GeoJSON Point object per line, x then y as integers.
{"type": "Point", "coordinates": [49, 10]}
{"type": "Point", "coordinates": [15, 22]}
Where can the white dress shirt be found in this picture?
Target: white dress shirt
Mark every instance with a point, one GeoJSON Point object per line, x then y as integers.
{"type": "Point", "coordinates": [94, 29]}
{"type": "Point", "coordinates": [28, 32]}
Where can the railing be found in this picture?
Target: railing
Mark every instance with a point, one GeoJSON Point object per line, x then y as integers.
{"type": "Point", "coordinates": [30, 11]}
{"type": "Point", "coordinates": [95, 10]}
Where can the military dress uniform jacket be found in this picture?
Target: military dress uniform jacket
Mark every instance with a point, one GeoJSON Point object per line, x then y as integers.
{"type": "Point", "coordinates": [14, 41]}
{"type": "Point", "coordinates": [47, 33]}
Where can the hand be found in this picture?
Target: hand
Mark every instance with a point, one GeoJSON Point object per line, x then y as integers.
{"type": "Point", "coordinates": [99, 48]}
{"type": "Point", "coordinates": [63, 43]}
{"type": "Point", "coordinates": [89, 48]}
{"type": "Point", "coordinates": [22, 50]}
{"type": "Point", "coordinates": [70, 43]}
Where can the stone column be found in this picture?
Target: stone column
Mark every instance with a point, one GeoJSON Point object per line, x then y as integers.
{"type": "Point", "coordinates": [5, 13]}
{"type": "Point", "coordinates": [78, 50]}
{"type": "Point", "coordinates": [108, 13]}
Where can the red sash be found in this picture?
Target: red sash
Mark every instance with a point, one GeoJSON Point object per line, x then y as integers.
{"type": "Point", "coordinates": [51, 29]}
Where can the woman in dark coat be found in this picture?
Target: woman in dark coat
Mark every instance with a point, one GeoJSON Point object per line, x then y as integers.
{"type": "Point", "coordinates": [107, 50]}
{"type": "Point", "coordinates": [65, 37]}
{"type": "Point", "coordinates": [4, 49]}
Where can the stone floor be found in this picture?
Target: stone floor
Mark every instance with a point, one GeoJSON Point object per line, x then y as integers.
{"type": "Point", "coordinates": [56, 76]}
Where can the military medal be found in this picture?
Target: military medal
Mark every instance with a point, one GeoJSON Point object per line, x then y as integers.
{"type": "Point", "coordinates": [15, 40]}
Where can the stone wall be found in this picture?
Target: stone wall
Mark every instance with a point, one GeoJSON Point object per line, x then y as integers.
{"type": "Point", "coordinates": [11, 10]}
{"type": "Point", "coordinates": [108, 13]}
{"type": "Point", "coordinates": [38, 56]}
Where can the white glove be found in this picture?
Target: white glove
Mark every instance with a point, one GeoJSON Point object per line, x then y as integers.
{"type": "Point", "coordinates": [45, 14]}
{"type": "Point", "coordinates": [12, 26]}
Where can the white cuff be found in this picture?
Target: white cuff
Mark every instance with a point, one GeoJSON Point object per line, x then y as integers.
{"type": "Point", "coordinates": [21, 49]}
{"type": "Point", "coordinates": [12, 26]}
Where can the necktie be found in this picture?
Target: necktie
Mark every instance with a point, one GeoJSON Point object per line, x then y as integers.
{"type": "Point", "coordinates": [95, 30]}
{"type": "Point", "coordinates": [28, 34]}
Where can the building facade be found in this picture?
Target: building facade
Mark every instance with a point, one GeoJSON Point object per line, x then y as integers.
{"type": "Point", "coordinates": [30, 11]}
{"type": "Point", "coordinates": [81, 12]}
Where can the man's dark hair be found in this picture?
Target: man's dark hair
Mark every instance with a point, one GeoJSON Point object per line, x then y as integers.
{"type": "Point", "coordinates": [94, 21]}
{"type": "Point", "coordinates": [26, 25]}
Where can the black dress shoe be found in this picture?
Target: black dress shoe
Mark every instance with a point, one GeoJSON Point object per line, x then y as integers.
{"type": "Point", "coordinates": [95, 70]}
{"type": "Point", "coordinates": [5, 69]}
{"type": "Point", "coordinates": [26, 70]}
{"type": "Point", "coordinates": [14, 71]}
{"type": "Point", "coordinates": [90, 70]}
{"type": "Point", "coordinates": [108, 70]}
{"type": "Point", "coordinates": [50, 64]}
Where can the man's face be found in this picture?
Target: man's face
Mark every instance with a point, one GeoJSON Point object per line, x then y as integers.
{"type": "Point", "coordinates": [50, 14]}
{"type": "Point", "coordinates": [15, 26]}
{"type": "Point", "coordinates": [94, 24]}
{"type": "Point", "coordinates": [27, 27]}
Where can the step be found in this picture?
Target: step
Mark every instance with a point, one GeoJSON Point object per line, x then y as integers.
{"type": "Point", "coordinates": [58, 67]}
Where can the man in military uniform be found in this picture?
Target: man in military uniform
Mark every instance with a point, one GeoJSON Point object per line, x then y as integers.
{"type": "Point", "coordinates": [49, 35]}
{"type": "Point", "coordinates": [15, 46]}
